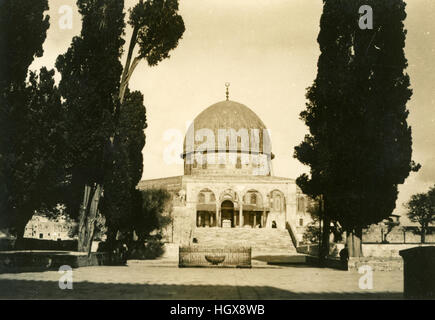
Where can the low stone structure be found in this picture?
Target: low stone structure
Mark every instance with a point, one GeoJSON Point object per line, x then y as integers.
{"type": "Point", "coordinates": [203, 256]}
{"type": "Point", "coordinates": [30, 261]}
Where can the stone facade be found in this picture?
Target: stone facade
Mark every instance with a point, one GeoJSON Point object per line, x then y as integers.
{"type": "Point", "coordinates": [200, 201]}
{"type": "Point", "coordinates": [43, 228]}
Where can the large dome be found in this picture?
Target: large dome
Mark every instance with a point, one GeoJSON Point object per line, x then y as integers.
{"type": "Point", "coordinates": [228, 114]}
{"type": "Point", "coordinates": [213, 127]}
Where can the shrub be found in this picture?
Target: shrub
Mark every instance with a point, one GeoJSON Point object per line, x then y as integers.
{"type": "Point", "coordinates": [152, 248]}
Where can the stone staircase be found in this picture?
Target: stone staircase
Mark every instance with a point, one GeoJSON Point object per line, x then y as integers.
{"type": "Point", "coordinates": [263, 241]}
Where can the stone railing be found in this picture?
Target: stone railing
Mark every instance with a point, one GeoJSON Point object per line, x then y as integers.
{"type": "Point", "coordinates": [292, 234]}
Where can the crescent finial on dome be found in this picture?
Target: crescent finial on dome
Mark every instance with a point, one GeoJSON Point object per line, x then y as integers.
{"type": "Point", "coordinates": [227, 85]}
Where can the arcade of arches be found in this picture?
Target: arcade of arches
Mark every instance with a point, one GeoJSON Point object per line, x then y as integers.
{"type": "Point", "coordinates": [228, 211]}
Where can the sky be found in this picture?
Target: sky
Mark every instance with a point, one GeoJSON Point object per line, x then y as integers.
{"type": "Point", "coordinates": [268, 51]}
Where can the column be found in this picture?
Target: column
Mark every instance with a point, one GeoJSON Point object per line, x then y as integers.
{"type": "Point", "coordinates": [255, 219]}
{"type": "Point", "coordinates": [263, 219]}
{"type": "Point", "coordinates": [234, 219]}
{"type": "Point", "coordinates": [199, 219]}
{"type": "Point", "coordinates": [240, 215]}
{"type": "Point", "coordinates": [218, 218]}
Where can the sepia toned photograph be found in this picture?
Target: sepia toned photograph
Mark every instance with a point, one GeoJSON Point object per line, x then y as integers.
{"type": "Point", "coordinates": [211, 150]}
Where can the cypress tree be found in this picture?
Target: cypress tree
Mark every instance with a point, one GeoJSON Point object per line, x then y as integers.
{"type": "Point", "coordinates": [31, 117]}
{"type": "Point", "coordinates": [360, 146]}
{"type": "Point", "coordinates": [91, 72]}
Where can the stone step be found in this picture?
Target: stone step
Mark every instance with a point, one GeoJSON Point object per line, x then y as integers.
{"type": "Point", "coordinates": [260, 240]}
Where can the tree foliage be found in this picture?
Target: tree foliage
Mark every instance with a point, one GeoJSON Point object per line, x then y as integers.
{"type": "Point", "coordinates": [152, 208]}
{"type": "Point", "coordinates": [106, 132]}
{"type": "Point", "coordinates": [91, 72]}
{"type": "Point", "coordinates": [51, 151]}
{"type": "Point", "coordinates": [313, 232]}
{"type": "Point", "coordinates": [23, 28]}
{"type": "Point", "coordinates": [157, 28]}
{"type": "Point", "coordinates": [359, 147]}
{"type": "Point", "coordinates": [421, 209]}
{"type": "Point", "coordinates": [31, 117]}
{"type": "Point", "coordinates": [125, 167]}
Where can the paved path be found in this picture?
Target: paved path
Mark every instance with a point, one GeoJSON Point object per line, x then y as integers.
{"type": "Point", "coordinates": [145, 281]}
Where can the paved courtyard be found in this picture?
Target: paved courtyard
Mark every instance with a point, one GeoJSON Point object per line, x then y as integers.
{"type": "Point", "coordinates": [146, 281]}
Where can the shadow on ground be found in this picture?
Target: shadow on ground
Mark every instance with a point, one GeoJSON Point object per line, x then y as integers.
{"type": "Point", "coordinates": [298, 261]}
{"type": "Point", "coordinates": [27, 289]}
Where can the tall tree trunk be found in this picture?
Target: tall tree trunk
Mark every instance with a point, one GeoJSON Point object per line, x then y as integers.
{"type": "Point", "coordinates": [354, 242]}
{"type": "Point", "coordinates": [126, 74]}
{"type": "Point", "coordinates": [324, 249]}
{"type": "Point", "coordinates": [87, 219]}
{"type": "Point", "coordinates": [319, 250]}
{"type": "Point", "coordinates": [19, 234]}
{"type": "Point", "coordinates": [20, 231]}
{"type": "Point", "coordinates": [324, 243]}
{"type": "Point", "coordinates": [423, 235]}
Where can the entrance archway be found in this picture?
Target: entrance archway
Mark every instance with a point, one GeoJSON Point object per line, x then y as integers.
{"type": "Point", "coordinates": [227, 214]}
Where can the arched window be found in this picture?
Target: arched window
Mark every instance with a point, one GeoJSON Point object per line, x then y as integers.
{"type": "Point", "coordinates": [201, 198]}
{"type": "Point", "coordinates": [206, 196]}
{"type": "Point", "coordinates": [277, 202]}
{"type": "Point", "coordinates": [253, 198]}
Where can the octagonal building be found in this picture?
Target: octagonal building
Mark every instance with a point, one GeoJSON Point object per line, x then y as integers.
{"type": "Point", "coordinates": [228, 193]}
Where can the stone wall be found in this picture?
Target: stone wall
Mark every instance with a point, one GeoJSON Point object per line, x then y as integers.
{"type": "Point", "coordinates": [398, 234]}
{"type": "Point", "coordinates": [376, 263]}
{"type": "Point", "coordinates": [40, 261]}
{"type": "Point", "coordinates": [369, 249]}
{"type": "Point", "coordinates": [387, 250]}
{"type": "Point", "coordinates": [181, 228]}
